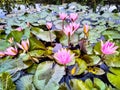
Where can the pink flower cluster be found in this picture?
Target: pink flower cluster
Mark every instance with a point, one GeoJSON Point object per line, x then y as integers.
{"type": "Point", "coordinates": [12, 51]}
{"type": "Point", "coordinates": [71, 27]}
{"type": "Point", "coordinates": [108, 47]}
{"type": "Point", "coordinates": [72, 16]}
{"type": "Point", "coordinates": [63, 56]}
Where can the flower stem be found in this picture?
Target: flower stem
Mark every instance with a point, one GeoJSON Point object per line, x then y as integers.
{"type": "Point", "coordinates": [62, 24]}
{"type": "Point", "coordinates": [65, 69]}
{"type": "Point", "coordinates": [68, 39]}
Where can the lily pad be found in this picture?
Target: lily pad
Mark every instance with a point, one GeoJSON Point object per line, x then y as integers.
{"type": "Point", "coordinates": [6, 82]}
{"type": "Point", "coordinates": [47, 77]}
{"type": "Point", "coordinates": [25, 83]}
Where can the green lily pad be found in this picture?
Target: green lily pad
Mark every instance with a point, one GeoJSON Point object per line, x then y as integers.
{"type": "Point", "coordinates": [91, 59]}
{"type": "Point", "coordinates": [115, 77]}
{"type": "Point", "coordinates": [81, 66]}
{"type": "Point", "coordinates": [44, 35]}
{"type": "Point", "coordinates": [47, 77]}
{"type": "Point", "coordinates": [17, 35]}
{"type": "Point", "coordinates": [78, 85]}
{"type": "Point", "coordinates": [97, 48]}
{"type": "Point", "coordinates": [3, 45]}
{"type": "Point", "coordinates": [6, 82]}
{"type": "Point", "coordinates": [36, 44]}
{"type": "Point", "coordinates": [112, 34]}
{"type": "Point", "coordinates": [96, 70]}
{"type": "Point", "coordinates": [113, 60]}
{"type": "Point", "coordinates": [99, 84]}
{"type": "Point", "coordinates": [34, 54]}
{"type": "Point", "coordinates": [25, 83]}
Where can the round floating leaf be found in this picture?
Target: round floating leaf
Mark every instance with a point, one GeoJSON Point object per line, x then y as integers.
{"type": "Point", "coordinates": [81, 66]}
{"type": "Point", "coordinates": [25, 83]}
{"type": "Point", "coordinates": [96, 70]}
{"type": "Point", "coordinates": [78, 85]}
{"type": "Point", "coordinates": [6, 82]}
{"type": "Point", "coordinates": [34, 53]}
{"type": "Point", "coordinates": [43, 35]}
{"type": "Point", "coordinates": [58, 24]}
{"type": "Point", "coordinates": [97, 48]}
{"type": "Point", "coordinates": [36, 44]}
{"type": "Point", "coordinates": [99, 84]}
{"type": "Point", "coordinates": [113, 60]}
{"type": "Point", "coordinates": [17, 35]}
{"type": "Point", "coordinates": [10, 65]}
{"type": "Point", "coordinates": [89, 83]}
{"type": "Point", "coordinates": [3, 45]}
{"type": "Point", "coordinates": [112, 34]}
{"type": "Point", "coordinates": [47, 77]}
{"type": "Point", "coordinates": [41, 22]}
{"type": "Point", "coordinates": [114, 79]}
{"type": "Point", "coordinates": [93, 36]}
{"type": "Point", "coordinates": [116, 71]}
{"type": "Point", "coordinates": [91, 59]}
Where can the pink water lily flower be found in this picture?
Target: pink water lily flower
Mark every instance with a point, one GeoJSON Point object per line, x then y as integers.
{"type": "Point", "coordinates": [62, 16]}
{"type": "Point", "coordinates": [73, 16]}
{"type": "Point", "coordinates": [74, 26]}
{"type": "Point", "coordinates": [68, 30]}
{"type": "Point", "coordinates": [49, 25]}
{"type": "Point", "coordinates": [19, 29]}
{"type": "Point", "coordinates": [24, 45]}
{"type": "Point", "coordinates": [2, 54]}
{"type": "Point", "coordinates": [108, 47]}
{"type": "Point", "coordinates": [12, 51]}
{"type": "Point", "coordinates": [63, 56]}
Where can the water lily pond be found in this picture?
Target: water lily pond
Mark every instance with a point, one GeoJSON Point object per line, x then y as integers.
{"type": "Point", "coordinates": [60, 47]}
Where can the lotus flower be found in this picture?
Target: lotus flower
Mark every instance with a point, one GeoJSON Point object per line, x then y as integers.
{"type": "Point", "coordinates": [73, 16]}
{"type": "Point", "coordinates": [2, 54]}
{"type": "Point", "coordinates": [19, 29]}
{"type": "Point", "coordinates": [11, 51]}
{"type": "Point", "coordinates": [86, 28]}
{"type": "Point", "coordinates": [74, 26]}
{"type": "Point", "coordinates": [49, 25]}
{"type": "Point", "coordinates": [63, 56]}
{"type": "Point", "coordinates": [24, 45]}
{"type": "Point", "coordinates": [108, 47]}
{"type": "Point", "coordinates": [62, 16]}
{"type": "Point", "coordinates": [68, 30]}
